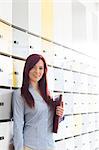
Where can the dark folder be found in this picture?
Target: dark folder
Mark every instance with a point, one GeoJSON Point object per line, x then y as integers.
{"type": "Point", "coordinates": [57, 101]}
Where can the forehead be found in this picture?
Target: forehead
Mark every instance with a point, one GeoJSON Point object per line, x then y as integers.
{"type": "Point", "coordinates": [40, 63]}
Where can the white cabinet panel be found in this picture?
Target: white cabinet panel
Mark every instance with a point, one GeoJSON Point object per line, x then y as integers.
{"type": "Point", "coordinates": [58, 79]}
{"type": "Point", "coordinates": [5, 135]}
{"type": "Point", "coordinates": [83, 98]}
{"type": "Point", "coordinates": [76, 82]}
{"type": "Point", "coordinates": [85, 142]}
{"type": "Point", "coordinates": [20, 43]}
{"type": "Point", "coordinates": [92, 140]}
{"type": "Point", "coordinates": [91, 122]}
{"type": "Point", "coordinates": [5, 73]}
{"type": "Point", "coordinates": [34, 44]}
{"type": "Point", "coordinates": [60, 145]}
{"type": "Point", "coordinates": [83, 83]}
{"type": "Point", "coordinates": [20, 13]}
{"type": "Point", "coordinates": [50, 76]}
{"type": "Point", "coordinates": [18, 66]}
{"type": "Point", "coordinates": [5, 104]}
{"type": "Point", "coordinates": [76, 103]}
{"type": "Point", "coordinates": [67, 62]}
{"type": "Point", "coordinates": [58, 56]}
{"type": "Point", "coordinates": [69, 143]}
{"type": "Point", "coordinates": [5, 38]}
{"type": "Point", "coordinates": [47, 51]}
{"type": "Point", "coordinates": [68, 103]}
{"type": "Point", "coordinates": [96, 140]}
{"type": "Point", "coordinates": [68, 81]}
{"type": "Point", "coordinates": [34, 16]}
{"type": "Point", "coordinates": [84, 123]}
{"type": "Point", "coordinates": [96, 121]}
{"type": "Point", "coordinates": [77, 124]}
{"type": "Point", "coordinates": [68, 121]}
{"type": "Point", "coordinates": [77, 143]}
{"type": "Point", "coordinates": [6, 10]}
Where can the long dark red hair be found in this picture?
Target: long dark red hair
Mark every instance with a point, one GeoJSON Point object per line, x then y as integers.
{"type": "Point", "coordinates": [43, 85]}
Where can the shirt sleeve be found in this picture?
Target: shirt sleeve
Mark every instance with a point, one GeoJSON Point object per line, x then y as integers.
{"type": "Point", "coordinates": [18, 117]}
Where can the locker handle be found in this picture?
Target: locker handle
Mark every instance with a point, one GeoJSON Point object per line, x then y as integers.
{"type": "Point", "coordinates": [16, 73]}
{"type": "Point", "coordinates": [1, 103]}
{"type": "Point", "coordinates": [1, 70]}
{"type": "Point", "coordinates": [65, 57]}
{"type": "Point", "coordinates": [31, 47]}
{"type": "Point", "coordinates": [1, 137]}
{"type": "Point", "coordinates": [16, 42]}
{"type": "Point", "coordinates": [1, 36]}
{"type": "Point", "coordinates": [44, 51]}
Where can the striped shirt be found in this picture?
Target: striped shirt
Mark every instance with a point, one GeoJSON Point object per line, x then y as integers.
{"type": "Point", "coordinates": [32, 126]}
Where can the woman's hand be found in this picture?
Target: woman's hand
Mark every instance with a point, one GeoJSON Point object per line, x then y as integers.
{"type": "Point", "coordinates": [60, 110]}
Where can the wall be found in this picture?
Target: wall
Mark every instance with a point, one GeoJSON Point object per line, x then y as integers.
{"type": "Point", "coordinates": [71, 71]}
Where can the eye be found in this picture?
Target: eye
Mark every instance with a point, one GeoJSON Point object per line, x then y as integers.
{"type": "Point", "coordinates": [40, 68]}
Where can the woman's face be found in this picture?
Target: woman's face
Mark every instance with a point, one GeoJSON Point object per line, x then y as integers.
{"type": "Point", "coordinates": [36, 73]}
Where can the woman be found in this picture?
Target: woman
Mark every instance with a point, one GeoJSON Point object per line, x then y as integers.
{"type": "Point", "coordinates": [32, 112]}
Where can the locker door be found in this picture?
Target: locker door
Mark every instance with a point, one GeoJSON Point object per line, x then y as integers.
{"type": "Point", "coordinates": [5, 104]}
{"type": "Point", "coordinates": [20, 43]}
{"type": "Point", "coordinates": [18, 66]}
{"type": "Point", "coordinates": [5, 135]}
{"type": "Point", "coordinates": [5, 73]}
{"type": "Point", "coordinates": [34, 44]}
{"type": "Point", "coordinates": [5, 38]}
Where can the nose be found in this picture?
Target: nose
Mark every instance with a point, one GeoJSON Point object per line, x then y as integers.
{"type": "Point", "coordinates": [36, 70]}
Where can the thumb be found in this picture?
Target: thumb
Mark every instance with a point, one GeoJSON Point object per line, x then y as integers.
{"type": "Point", "coordinates": [61, 103]}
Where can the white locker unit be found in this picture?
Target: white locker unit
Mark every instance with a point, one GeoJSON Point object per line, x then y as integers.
{"type": "Point", "coordinates": [5, 38]}
{"type": "Point", "coordinates": [96, 136]}
{"type": "Point", "coordinates": [5, 135]}
{"type": "Point", "coordinates": [5, 72]}
{"type": "Point", "coordinates": [6, 15]}
{"type": "Point", "coordinates": [18, 66]}
{"type": "Point", "coordinates": [69, 144]}
{"type": "Point", "coordinates": [68, 121]}
{"type": "Point", "coordinates": [34, 44]}
{"type": "Point", "coordinates": [68, 103]}
{"type": "Point", "coordinates": [77, 143]}
{"type": "Point", "coordinates": [76, 82]}
{"type": "Point", "coordinates": [67, 63]}
{"type": "Point", "coordinates": [47, 51]}
{"type": "Point", "coordinates": [50, 78]}
{"type": "Point", "coordinates": [60, 145]}
{"type": "Point", "coordinates": [68, 81]}
{"type": "Point", "coordinates": [77, 124]}
{"type": "Point", "coordinates": [58, 79]}
{"type": "Point", "coordinates": [96, 121]}
{"type": "Point", "coordinates": [91, 122]}
{"type": "Point", "coordinates": [85, 123]}
{"type": "Point", "coordinates": [5, 104]}
{"type": "Point", "coordinates": [83, 87]}
{"type": "Point", "coordinates": [76, 104]}
{"type": "Point", "coordinates": [20, 45]}
{"type": "Point", "coordinates": [83, 99]}
{"type": "Point", "coordinates": [58, 56]}
{"type": "Point", "coordinates": [92, 140]}
{"type": "Point", "coordinates": [85, 142]}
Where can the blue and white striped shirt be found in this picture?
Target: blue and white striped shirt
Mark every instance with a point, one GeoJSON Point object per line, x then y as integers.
{"type": "Point", "coordinates": [32, 127]}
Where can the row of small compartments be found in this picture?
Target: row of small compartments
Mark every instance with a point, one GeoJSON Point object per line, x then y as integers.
{"type": "Point", "coordinates": [19, 43]}
{"type": "Point", "coordinates": [88, 141]}
{"type": "Point", "coordinates": [73, 104]}
{"type": "Point", "coordinates": [59, 79]}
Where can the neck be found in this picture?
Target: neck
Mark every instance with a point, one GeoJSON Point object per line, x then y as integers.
{"type": "Point", "coordinates": [34, 84]}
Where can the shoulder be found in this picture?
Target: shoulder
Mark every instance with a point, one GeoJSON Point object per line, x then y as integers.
{"type": "Point", "coordinates": [16, 96]}
{"type": "Point", "coordinates": [17, 92]}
